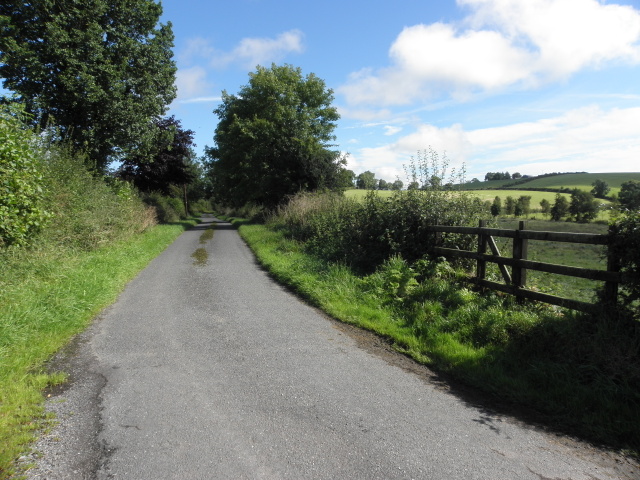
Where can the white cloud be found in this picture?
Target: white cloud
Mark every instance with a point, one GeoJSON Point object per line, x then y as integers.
{"type": "Point", "coordinates": [586, 139]}
{"type": "Point", "coordinates": [191, 82]}
{"type": "Point", "coordinates": [568, 34]}
{"type": "Point", "coordinates": [501, 43]}
{"type": "Point", "coordinates": [195, 49]}
{"type": "Point", "coordinates": [391, 130]}
{"type": "Point", "coordinates": [251, 52]}
{"type": "Point", "coordinates": [202, 100]}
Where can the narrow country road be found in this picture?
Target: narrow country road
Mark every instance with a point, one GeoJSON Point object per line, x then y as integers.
{"type": "Point", "coordinates": [205, 368]}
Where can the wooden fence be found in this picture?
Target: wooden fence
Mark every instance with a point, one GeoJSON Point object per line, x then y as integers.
{"type": "Point", "coordinates": [516, 281]}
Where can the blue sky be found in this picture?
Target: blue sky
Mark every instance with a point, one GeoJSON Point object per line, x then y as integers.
{"type": "Point", "coordinates": [532, 86]}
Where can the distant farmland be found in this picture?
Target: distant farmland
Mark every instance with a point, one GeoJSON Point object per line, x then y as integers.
{"type": "Point", "coordinates": [583, 181]}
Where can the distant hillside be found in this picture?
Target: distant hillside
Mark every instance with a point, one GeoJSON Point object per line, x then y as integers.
{"type": "Point", "coordinates": [563, 181]}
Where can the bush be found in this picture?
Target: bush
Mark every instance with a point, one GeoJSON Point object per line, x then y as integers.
{"type": "Point", "coordinates": [22, 210]}
{"type": "Point", "coordinates": [625, 246]}
{"type": "Point", "coordinates": [87, 212]}
{"type": "Point", "coordinates": [199, 207]}
{"type": "Point", "coordinates": [167, 209]}
{"type": "Point", "coordinates": [365, 234]}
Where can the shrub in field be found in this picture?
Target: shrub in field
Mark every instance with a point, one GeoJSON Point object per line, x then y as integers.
{"type": "Point", "coordinates": [22, 211]}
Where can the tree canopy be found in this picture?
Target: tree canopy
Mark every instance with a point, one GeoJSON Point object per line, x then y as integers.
{"type": "Point", "coordinates": [600, 188]}
{"type": "Point", "coordinates": [629, 196]}
{"type": "Point", "coordinates": [560, 208]}
{"type": "Point", "coordinates": [99, 70]}
{"type": "Point", "coordinates": [583, 206]}
{"type": "Point", "coordinates": [274, 138]}
{"type": "Point", "coordinates": [172, 160]}
{"type": "Point", "coordinates": [366, 180]}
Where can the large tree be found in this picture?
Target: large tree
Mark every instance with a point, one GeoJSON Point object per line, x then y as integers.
{"type": "Point", "coordinates": [583, 207]}
{"type": "Point", "coordinates": [629, 196]}
{"type": "Point", "coordinates": [366, 180]}
{"type": "Point", "coordinates": [99, 70]}
{"type": "Point", "coordinates": [171, 163]}
{"type": "Point", "coordinates": [560, 208]}
{"type": "Point", "coordinates": [274, 138]}
{"type": "Point", "coordinates": [600, 188]}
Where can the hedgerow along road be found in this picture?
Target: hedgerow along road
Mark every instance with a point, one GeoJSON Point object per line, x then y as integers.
{"type": "Point", "coordinates": [206, 368]}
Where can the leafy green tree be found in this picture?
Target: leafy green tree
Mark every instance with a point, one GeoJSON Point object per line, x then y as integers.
{"type": "Point", "coordinates": [346, 178]}
{"type": "Point", "coordinates": [413, 186]}
{"type": "Point", "coordinates": [21, 192]}
{"type": "Point", "coordinates": [366, 180]}
{"type": "Point", "coordinates": [629, 196]}
{"type": "Point", "coordinates": [545, 206]}
{"type": "Point", "coordinates": [273, 138]}
{"type": "Point", "coordinates": [383, 184]}
{"type": "Point", "coordinates": [435, 182]}
{"type": "Point", "coordinates": [600, 188]}
{"type": "Point", "coordinates": [496, 206]}
{"type": "Point", "coordinates": [172, 162]}
{"type": "Point", "coordinates": [560, 208]}
{"type": "Point", "coordinates": [397, 185]}
{"type": "Point", "coordinates": [509, 205]}
{"type": "Point", "coordinates": [583, 207]}
{"type": "Point", "coordinates": [99, 70]}
{"type": "Point", "coordinates": [523, 205]}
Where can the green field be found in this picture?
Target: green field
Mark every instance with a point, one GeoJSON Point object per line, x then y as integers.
{"type": "Point", "coordinates": [484, 195]}
{"type": "Point", "coordinates": [489, 195]}
{"type": "Point", "coordinates": [536, 197]}
{"type": "Point", "coordinates": [560, 253]}
{"type": "Point", "coordinates": [582, 181]}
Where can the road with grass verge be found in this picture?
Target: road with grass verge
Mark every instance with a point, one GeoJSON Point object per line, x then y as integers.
{"type": "Point", "coordinates": [205, 368]}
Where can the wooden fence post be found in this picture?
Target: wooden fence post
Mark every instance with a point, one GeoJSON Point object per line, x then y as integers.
{"type": "Point", "coordinates": [481, 264]}
{"type": "Point", "coordinates": [520, 251]}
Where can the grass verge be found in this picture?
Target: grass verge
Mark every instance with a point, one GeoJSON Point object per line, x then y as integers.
{"type": "Point", "coordinates": [46, 297]}
{"type": "Point", "coordinates": [579, 375]}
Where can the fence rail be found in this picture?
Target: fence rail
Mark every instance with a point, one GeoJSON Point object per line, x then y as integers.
{"type": "Point", "coordinates": [516, 280]}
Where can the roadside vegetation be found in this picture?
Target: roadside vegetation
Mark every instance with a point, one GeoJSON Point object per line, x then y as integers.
{"type": "Point", "coordinates": [72, 234]}
{"type": "Point", "coordinates": [83, 240]}
{"type": "Point", "coordinates": [577, 373]}
{"type": "Point", "coordinates": [369, 262]}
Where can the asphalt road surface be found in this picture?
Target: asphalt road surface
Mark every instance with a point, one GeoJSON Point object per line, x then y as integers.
{"type": "Point", "coordinates": [208, 369]}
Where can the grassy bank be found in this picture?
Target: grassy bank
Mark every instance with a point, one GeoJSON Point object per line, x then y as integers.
{"type": "Point", "coordinates": [579, 374]}
{"type": "Point", "coordinates": [47, 296]}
